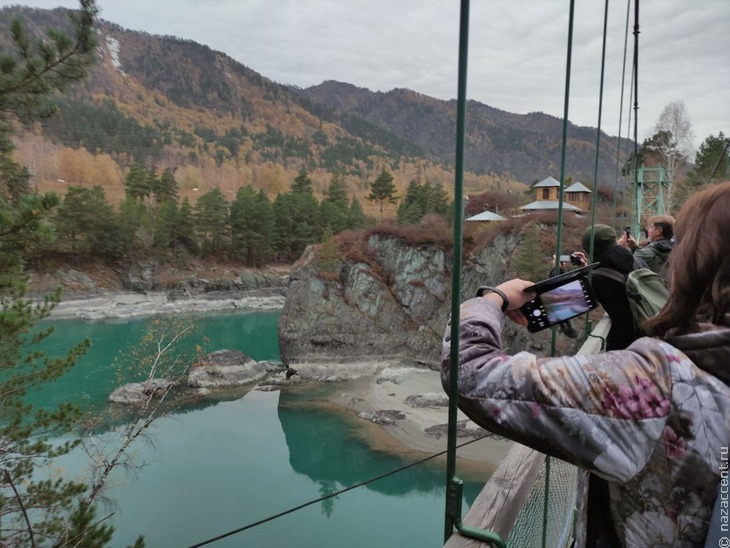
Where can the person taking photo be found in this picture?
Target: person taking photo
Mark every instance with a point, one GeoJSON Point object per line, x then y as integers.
{"type": "Point", "coordinates": [650, 420]}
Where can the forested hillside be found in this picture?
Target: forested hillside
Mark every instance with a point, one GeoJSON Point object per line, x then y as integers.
{"type": "Point", "coordinates": [166, 102]}
{"type": "Point", "coordinates": [169, 146]}
{"type": "Point", "coordinates": [524, 147]}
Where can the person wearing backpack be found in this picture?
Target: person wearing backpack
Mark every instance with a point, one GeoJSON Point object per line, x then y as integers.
{"type": "Point", "coordinates": [660, 232]}
{"type": "Point", "coordinates": [609, 282]}
{"type": "Point", "coordinates": [651, 420]}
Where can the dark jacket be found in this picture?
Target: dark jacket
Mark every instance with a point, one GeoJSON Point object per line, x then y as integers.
{"type": "Point", "coordinates": [612, 296]}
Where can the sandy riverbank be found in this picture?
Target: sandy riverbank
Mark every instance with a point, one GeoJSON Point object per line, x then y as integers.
{"type": "Point", "coordinates": [415, 402]}
{"type": "Point", "coordinates": [133, 305]}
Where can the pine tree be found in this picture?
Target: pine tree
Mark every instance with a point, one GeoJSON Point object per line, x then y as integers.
{"type": "Point", "coordinates": [337, 191]}
{"type": "Point", "coordinates": [529, 263]}
{"type": "Point", "coordinates": [382, 190]}
{"type": "Point", "coordinates": [356, 218]}
{"type": "Point", "coordinates": [712, 164]}
{"type": "Point", "coordinates": [297, 224]}
{"type": "Point", "coordinates": [334, 207]}
{"type": "Point", "coordinates": [414, 204]}
{"type": "Point", "coordinates": [251, 226]}
{"type": "Point", "coordinates": [166, 223]}
{"type": "Point", "coordinates": [137, 182]}
{"type": "Point", "coordinates": [184, 233]}
{"type": "Point", "coordinates": [86, 223]}
{"type": "Point", "coordinates": [14, 180]}
{"type": "Point", "coordinates": [34, 510]}
{"type": "Point", "coordinates": [263, 218]}
{"type": "Point", "coordinates": [302, 184]}
{"type": "Point", "coordinates": [211, 220]}
{"type": "Point", "coordinates": [437, 200]}
{"type": "Point", "coordinates": [131, 221]}
{"type": "Point", "coordinates": [165, 188]}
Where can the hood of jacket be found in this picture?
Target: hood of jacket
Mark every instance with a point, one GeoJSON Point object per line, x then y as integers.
{"type": "Point", "coordinates": [617, 258]}
{"type": "Point", "coordinates": [662, 246]}
{"type": "Point", "coordinates": [709, 349]}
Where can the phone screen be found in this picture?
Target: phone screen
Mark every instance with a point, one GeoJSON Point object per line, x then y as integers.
{"type": "Point", "coordinates": [565, 302]}
{"type": "Point", "coordinates": [561, 303]}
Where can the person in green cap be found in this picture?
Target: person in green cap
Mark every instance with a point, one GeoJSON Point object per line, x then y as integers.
{"type": "Point", "coordinates": [610, 292]}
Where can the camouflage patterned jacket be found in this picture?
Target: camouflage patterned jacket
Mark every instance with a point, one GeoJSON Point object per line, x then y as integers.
{"type": "Point", "coordinates": [647, 419]}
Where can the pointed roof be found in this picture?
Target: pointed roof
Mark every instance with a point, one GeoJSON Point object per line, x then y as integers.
{"type": "Point", "coordinates": [549, 182]}
{"type": "Point", "coordinates": [548, 204]}
{"type": "Point", "coordinates": [578, 187]}
{"type": "Point", "coordinates": [486, 216]}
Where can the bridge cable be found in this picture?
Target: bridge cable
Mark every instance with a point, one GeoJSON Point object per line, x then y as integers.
{"type": "Point", "coordinates": [598, 147]}
{"type": "Point", "coordinates": [621, 110]}
{"type": "Point", "coordinates": [554, 334]}
{"type": "Point", "coordinates": [568, 64]}
{"type": "Point", "coordinates": [636, 94]}
{"type": "Point", "coordinates": [331, 495]}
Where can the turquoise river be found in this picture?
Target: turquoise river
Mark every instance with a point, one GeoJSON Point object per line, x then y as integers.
{"type": "Point", "coordinates": [217, 467]}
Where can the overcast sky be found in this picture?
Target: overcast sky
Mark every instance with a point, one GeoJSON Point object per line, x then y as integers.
{"type": "Point", "coordinates": [517, 50]}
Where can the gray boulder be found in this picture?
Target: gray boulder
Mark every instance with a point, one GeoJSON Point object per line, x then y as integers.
{"type": "Point", "coordinates": [227, 369]}
{"type": "Point", "coordinates": [137, 393]}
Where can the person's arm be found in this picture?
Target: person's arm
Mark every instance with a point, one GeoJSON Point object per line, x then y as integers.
{"type": "Point", "coordinates": [603, 412]}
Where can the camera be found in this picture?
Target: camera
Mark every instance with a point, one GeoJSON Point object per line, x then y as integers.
{"type": "Point", "coordinates": [575, 260]}
{"type": "Point", "coordinates": [559, 298]}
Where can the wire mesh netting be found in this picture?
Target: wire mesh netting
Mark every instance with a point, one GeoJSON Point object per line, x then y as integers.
{"type": "Point", "coordinates": [562, 499]}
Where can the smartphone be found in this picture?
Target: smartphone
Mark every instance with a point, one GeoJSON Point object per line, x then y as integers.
{"type": "Point", "coordinates": [627, 230]}
{"type": "Point", "coordinates": [559, 303]}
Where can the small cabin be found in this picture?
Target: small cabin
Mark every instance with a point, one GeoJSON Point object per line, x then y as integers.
{"type": "Point", "coordinates": [547, 192]}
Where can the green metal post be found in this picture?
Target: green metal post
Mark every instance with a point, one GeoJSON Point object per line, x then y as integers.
{"type": "Point", "coordinates": [453, 485]}
{"type": "Point", "coordinates": [562, 154]}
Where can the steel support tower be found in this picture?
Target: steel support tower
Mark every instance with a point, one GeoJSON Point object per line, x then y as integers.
{"type": "Point", "coordinates": [650, 186]}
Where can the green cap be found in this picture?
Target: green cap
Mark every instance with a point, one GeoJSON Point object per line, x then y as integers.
{"type": "Point", "coordinates": [604, 238]}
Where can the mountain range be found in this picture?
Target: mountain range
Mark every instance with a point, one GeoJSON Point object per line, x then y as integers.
{"type": "Point", "coordinates": [171, 102]}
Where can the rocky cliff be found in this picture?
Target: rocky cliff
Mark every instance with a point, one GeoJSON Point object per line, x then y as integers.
{"type": "Point", "coordinates": [391, 305]}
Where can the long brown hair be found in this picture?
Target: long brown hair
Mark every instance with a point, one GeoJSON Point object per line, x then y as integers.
{"type": "Point", "coordinates": [699, 265]}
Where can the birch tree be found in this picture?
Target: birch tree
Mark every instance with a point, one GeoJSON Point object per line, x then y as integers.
{"type": "Point", "coordinates": [672, 142]}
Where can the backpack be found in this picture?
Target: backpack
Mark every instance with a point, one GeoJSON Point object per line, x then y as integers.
{"type": "Point", "coordinates": [645, 291]}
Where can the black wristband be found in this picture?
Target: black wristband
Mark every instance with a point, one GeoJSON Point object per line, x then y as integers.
{"type": "Point", "coordinates": [486, 289]}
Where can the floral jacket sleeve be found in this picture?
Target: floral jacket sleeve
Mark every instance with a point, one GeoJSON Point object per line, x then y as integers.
{"type": "Point", "coordinates": [646, 419]}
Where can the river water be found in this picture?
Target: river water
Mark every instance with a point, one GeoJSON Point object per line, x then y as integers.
{"type": "Point", "coordinates": [216, 468]}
